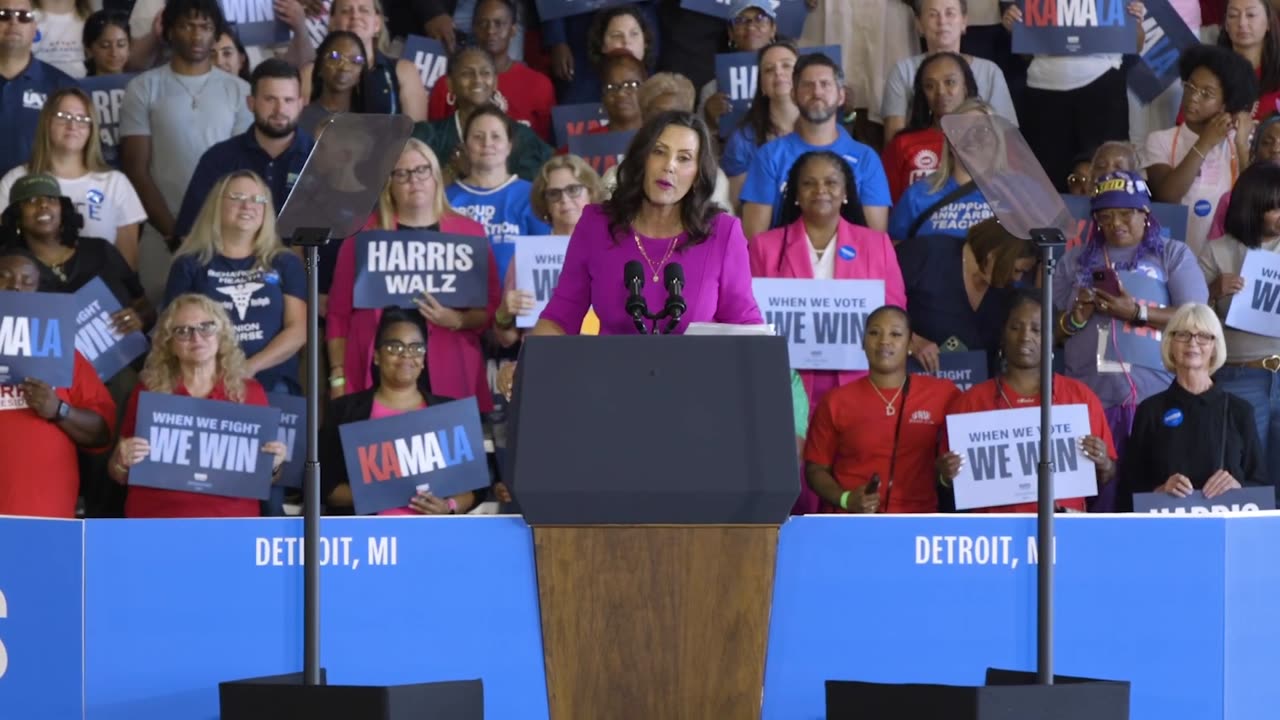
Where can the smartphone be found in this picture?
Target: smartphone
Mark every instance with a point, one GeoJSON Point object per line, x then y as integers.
{"type": "Point", "coordinates": [953, 344]}
{"type": "Point", "coordinates": [874, 485]}
{"type": "Point", "coordinates": [1107, 281]}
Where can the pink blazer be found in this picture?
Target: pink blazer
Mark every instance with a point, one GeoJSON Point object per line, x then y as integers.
{"type": "Point", "coordinates": [454, 358]}
{"type": "Point", "coordinates": [862, 254]}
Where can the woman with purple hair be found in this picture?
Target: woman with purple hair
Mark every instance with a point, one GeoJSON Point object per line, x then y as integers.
{"type": "Point", "coordinates": [1113, 295]}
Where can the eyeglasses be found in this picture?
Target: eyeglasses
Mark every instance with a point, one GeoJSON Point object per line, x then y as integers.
{"type": "Point", "coordinates": [1201, 338]}
{"type": "Point", "coordinates": [1199, 93]}
{"type": "Point", "coordinates": [759, 19]}
{"type": "Point", "coordinates": [206, 329]}
{"type": "Point", "coordinates": [628, 86]}
{"type": "Point", "coordinates": [554, 195]}
{"type": "Point", "coordinates": [245, 198]}
{"type": "Point", "coordinates": [422, 172]}
{"type": "Point", "coordinates": [24, 17]}
{"type": "Point", "coordinates": [339, 59]}
{"type": "Point", "coordinates": [77, 119]}
{"type": "Point", "coordinates": [1122, 216]}
{"type": "Point", "coordinates": [399, 349]}
{"type": "Point", "coordinates": [1078, 180]}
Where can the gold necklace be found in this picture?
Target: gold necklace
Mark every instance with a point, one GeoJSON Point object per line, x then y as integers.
{"type": "Point", "coordinates": [655, 268]}
{"type": "Point", "coordinates": [889, 409]}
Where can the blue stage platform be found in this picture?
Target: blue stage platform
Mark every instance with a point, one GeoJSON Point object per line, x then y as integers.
{"type": "Point", "coordinates": [140, 620]}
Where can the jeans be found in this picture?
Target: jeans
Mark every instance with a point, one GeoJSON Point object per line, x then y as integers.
{"type": "Point", "coordinates": [1261, 389]}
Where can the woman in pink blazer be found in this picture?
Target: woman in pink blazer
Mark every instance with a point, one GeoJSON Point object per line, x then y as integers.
{"type": "Point", "coordinates": [822, 236]}
{"type": "Point", "coordinates": [413, 200]}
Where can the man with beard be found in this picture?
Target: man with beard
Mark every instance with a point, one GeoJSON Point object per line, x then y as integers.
{"type": "Point", "coordinates": [818, 91]}
{"type": "Point", "coordinates": [170, 116]}
{"type": "Point", "coordinates": [25, 82]}
{"type": "Point", "coordinates": [274, 147]}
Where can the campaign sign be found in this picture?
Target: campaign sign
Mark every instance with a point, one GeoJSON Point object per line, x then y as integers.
{"type": "Point", "coordinates": [429, 56]}
{"type": "Point", "coordinates": [1245, 499]}
{"type": "Point", "coordinates": [1172, 219]}
{"type": "Point", "coordinates": [791, 13]}
{"type": "Point", "coordinates": [554, 9]}
{"type": "Point", "coordinates": [205, 446]}
{"type": "Point", "coordinates": [439, 449]}
{"type": "Point", "coordinates": [822, 320]}
{"type": "Point", "coordinates": [1256, 308]}
{"type": "Point", "coordinates": [538, 262]}
{"type": "Point", "coordinates": [107, 93]}
{"type": "Point", "coordinates": [569, 121]}
{"type": "Point", "coordinates": [1001, 451]}
{"type": "Point", "coordinates": [964, 369]}
{"type": "Point", "coordinates": [394, 267]}
{"type": "Point", "coordinates": [255, 22]}
{"type": "Point", "coordinates": [293, 427]}
{"type": "Point", "coordinates": [601, 150]}
{"type": "Point", "coordinates": [1167, 35]}
{"type": "Point", "coordinates": [37, 337]}
{"type": "Point", "coordinates": [1074, 27]}
{"type": "Point", "coordinates": [96, 339]}
{"type": "Point", "coordinates": [737, 76]}
{"type": "Point", "coordinates": [1134, 345]}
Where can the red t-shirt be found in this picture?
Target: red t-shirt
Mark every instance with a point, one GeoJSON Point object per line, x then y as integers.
{"type": "Point", "coordinates": [530, 97]}
{"type": "Point", "coordinates": [41, 477]}
{"type": "Point", "coordinates": [911, 156]}
{"type": "Point", "coordinates": [1066, 391]}
{"type": "Point", "coordinates": [147, 502]}
{"type": "Point", "coordinates": [851, 434]}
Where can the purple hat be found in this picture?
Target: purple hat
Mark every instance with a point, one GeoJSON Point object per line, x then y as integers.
{"type": "Point", "coordinates": [1121, 189]}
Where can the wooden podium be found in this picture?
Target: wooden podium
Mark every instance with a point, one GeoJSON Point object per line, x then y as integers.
{"type": "Point", "coordinates": [655, 472]}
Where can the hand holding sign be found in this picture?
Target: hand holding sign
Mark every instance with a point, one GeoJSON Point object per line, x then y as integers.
{"type": "Point", "coordinates": [1095, 451]}
{"type": "Point", "coordinates": [1226, 285]}
{"type": "Point", "coordinates": [925, 352]}
{"type": "Point", "coordinates": [518, 303]}
{"type": "Point", "coordinates": [1178, 485]}
{"type": "Point", "coordinates": [428, 504]}
{"type": "Point", "coordinates": [949, 466]}
{"type": "Point", "coordinates": [437, 314]}
{"type": "Point", "coordinates": [41, 398]}
{"type": "Point", "coordinates": [1219, 483]}
{"type": "Point", "coordinates": [280, 453]}
{"type": "Point", "coordinates": [126, 321]}
{"type": "Point", "coordinates": [131, 451]}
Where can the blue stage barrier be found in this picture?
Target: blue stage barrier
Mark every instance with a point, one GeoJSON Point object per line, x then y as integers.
{"type": "Point", "coordinates": [1181, 606]}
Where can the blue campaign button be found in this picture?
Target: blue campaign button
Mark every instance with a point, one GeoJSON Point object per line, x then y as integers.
{"type": "Point", "coordinates": [1173, 418]}
{"type": "Point", "coordinates": [1203, 208]}
{"type": "Point", "coordinates": [271, 277]}
{"type": "Point", "coordinates": [847, 252]}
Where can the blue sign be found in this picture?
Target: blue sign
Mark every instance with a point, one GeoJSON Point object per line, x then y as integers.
{"type": "Point", "coordinates": [293, 428]}
{"type": "Point", "coordinates": [791, 13]}
{"type": "Point", "coordinates": [572, 120]}
{"type": "Point", "coordinates": [965, 369]}
{"type": "Point", "coordinates": [553, 9]}
{"type": "Point", "coordinates": [393, 267]}
{"type": "Point", "coordinates": [737, 76]}
{"type": "Point", "coordinates": [96, 338]}
{"type": "Point", "coordinates": [429, 56]}
{"type": "Point", "coordinates": [1172, 218]}
{"type": "Point", "coordinates": [107, 93]}
{"type": "Point", "coordinates": [1167, 35]}
{"type": "Point", "coordinates": [37, 337]}
{"type": "Point", "coordinates": [255, 22]}
{"type": "Point", "coordinates": [1245, 499]}
{"type": "Point", "coordinates": [439, 449]}
{"type": "Point", "coordinates": [205, 446]}
{"type": "Point", "coordinates": [602, 150]}
{"type": "Point", "coordinates": [1075, 27]}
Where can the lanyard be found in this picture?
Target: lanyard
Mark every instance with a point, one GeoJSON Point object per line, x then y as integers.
{"type": "Point", "coordinates": [897, 432]}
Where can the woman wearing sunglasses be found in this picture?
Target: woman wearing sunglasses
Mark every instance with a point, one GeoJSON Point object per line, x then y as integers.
{"type": "Point", "coordinates": [195, 354]}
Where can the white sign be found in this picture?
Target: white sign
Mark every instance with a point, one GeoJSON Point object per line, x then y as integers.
{"type": "Point", "coordinates": [1256, 308]}
{"type": "Point", "coordinates": [1001, 451]}
{"type": "Point", "coordinates": [538, 261]}
{"type": "Point", "coordinates": [822, 320]}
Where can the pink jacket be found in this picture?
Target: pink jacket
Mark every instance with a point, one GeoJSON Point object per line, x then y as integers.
{"type": "Point", "coordinates": [862, 254]}
{"type": "Point", "coordinates": [454, 358]}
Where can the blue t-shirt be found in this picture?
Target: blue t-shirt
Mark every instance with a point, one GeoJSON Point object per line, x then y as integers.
{"type": "Point", "coordinates": [738, 151]}
{"type": "Point", "coordinates": [504, 211]}
{"type": "Point", "coordinates": [953, 219]}
{"type": "Point", "coordinates": [767, 179]}
{"type": "Point", "coordinates": [20, 102]}
{"type": "Point", "coordinates": [254, 299]}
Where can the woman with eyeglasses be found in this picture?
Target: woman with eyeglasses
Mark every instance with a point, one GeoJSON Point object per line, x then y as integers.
{"type": "Point", "coordinates": [106, 41]}
{"type": "Point", "coordinates": [751, 29]}
{"type": "Point", "coordinates": [1250, 368]}
{"type": "Point", "coordinates": [1194, 435]}
{"type": "Point", "coordinates": [195, 354]}
{"type": "Point", "coordinates": [620, 78]}
{"type": "Point", "coordinates": [401, 384]}
{"type": "Point", "coordinates": [338, 82]}
{"type": "Point", "coordinates": [412, 200]}
{"type": "Point", "coordinates": [1109, 157]}
{"type": "Point", "coordinates": [67, 146]}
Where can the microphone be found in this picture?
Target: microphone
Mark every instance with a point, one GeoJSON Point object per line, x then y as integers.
{"type": "Point", "coordinates": [633, 280]}
{"type": "Point", "coordinates": [673, 279]}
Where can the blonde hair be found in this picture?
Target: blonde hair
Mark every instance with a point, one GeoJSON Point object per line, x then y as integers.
{"type": "Point", "coordinates": [947, 163]}
{"type": "Point", "coordinates": [42, 147]}
{"type": "Point", "coordinates": [582, 172]}
{"type": "Point", "coordinates": [1193, 317]}
{"type": "Point", "coordinates": [205, 239]}
{"type": "Point", "coordinates": [162, 371]}
{"type": "Point", "coordinates": [380, 43]}
{"type": "Point", "coordinates": [667, 83]}
{"type": "Point", "coordinates": [387, 210]}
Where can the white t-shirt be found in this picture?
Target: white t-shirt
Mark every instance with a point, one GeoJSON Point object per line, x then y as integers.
{"type": "Point", "coordinates": [1069, 72]}
{"type": "Point", "coordinates": [60, 42]}
{"type": "Point", "coordinates": [1217, 175]}
{"type": "Point", "coordinates": [106, 200]}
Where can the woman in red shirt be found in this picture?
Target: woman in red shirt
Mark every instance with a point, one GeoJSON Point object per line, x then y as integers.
{"type": "Point", "coordinates": [884, 426]}
{"type": "Point", "coordinates": [1018, 386]}
{"type": "Point", "coordinates": [943, 82]}
{"type": "Point", "coordinates": [195, 354]}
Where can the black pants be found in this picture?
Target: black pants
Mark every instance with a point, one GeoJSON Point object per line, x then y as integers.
{"type": "Point", "coordinates": [1059, 125]}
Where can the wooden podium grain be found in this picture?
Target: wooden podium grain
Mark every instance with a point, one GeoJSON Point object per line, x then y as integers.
{"type": "Point", "coordinates": [655, 622]}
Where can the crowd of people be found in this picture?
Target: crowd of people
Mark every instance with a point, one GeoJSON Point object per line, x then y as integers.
{"type": "Point", "coordinates": [840, 169]}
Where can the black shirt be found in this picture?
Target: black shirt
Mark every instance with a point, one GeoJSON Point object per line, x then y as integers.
{"type": "Point", "coordinates": [1195, 435]}
{"type": "Point", "coordinates": [94, 257]}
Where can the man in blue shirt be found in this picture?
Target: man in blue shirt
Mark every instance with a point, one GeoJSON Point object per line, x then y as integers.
{"type": "Point", "coordinates": [273, 148]}
{"type": "Point", "coordinates": [818, 90]}
{"type": "Point", "coordinates": [25, 82]}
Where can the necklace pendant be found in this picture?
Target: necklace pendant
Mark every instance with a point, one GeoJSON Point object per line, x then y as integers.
{"type": "Point", "coordinates": [655, 277]}
{"type": "Point", "coordinates": [889, 411]}
{"type": "Point", "coordinates": [195, 103]}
